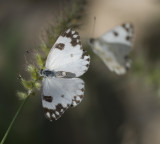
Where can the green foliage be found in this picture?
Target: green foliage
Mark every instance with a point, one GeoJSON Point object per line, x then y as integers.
{"type": "Point", "coordinates": [27, 84]}
{"type": "Point", "coordinates": [40, 60]}
{"type": "Point", "coordinates": [37, 85]}
{"type": "Point", "coordinates": [149, 72]}
{"type": "Point", "coordinates": [22, 95]}
{"type": "Point", "coordinates": [33, 72]}
{"type": "Point", "coordinates": [44, 47]}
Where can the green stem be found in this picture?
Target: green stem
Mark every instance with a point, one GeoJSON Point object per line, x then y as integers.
{"type": "Point", "coordinates": [13, 120]}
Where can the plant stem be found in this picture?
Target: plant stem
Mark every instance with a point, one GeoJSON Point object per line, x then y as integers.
{"type": "Point", "coordinates": [13, 120]}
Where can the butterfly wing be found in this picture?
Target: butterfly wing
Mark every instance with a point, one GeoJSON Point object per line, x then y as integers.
{"type": "Point", "coordinates": [121, 34]}
{"type": "Point", "coordinates": [59, 94]}
{"type": "Point", "coordinates": [114, 47]}
{"type": "Point", "coordinates": [67, 54]}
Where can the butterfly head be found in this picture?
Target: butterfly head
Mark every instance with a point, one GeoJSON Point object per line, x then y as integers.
{"type": "Point", "coordinates": [91, 41]}
{"type": "Point", "coordinates": [41, 72]}
{"type": "Point", "coordinates": [46, 73]}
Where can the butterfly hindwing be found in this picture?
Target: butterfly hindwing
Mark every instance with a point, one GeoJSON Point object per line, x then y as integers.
{"type": "Point", "coordinates": [67, 54]}
{"type": "Point", "coordinates": [59, 94]}
{"type": "Point", "coordinates": [114, 47]}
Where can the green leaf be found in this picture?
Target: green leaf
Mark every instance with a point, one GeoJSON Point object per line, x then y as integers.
{"type": "Point", "coordinates": [37, 85]}
{"type": "Point", "coordinates": [40, 60]}
{"type": "Point", "coordinates": [27, 84]}
{"type": "Point", "coordinates": [21, 95]}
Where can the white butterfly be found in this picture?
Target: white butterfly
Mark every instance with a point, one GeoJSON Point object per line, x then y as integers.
{"type": "Point", "coordinates": [114, 47]}
{"type": "Point", "coordinates": [61, 88]}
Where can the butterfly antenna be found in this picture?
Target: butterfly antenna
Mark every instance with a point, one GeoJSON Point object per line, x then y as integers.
{"type": "Point", "coordinates": [27, 52]}
{"type": "Point", "coordinates": [93, 31]}
{"type": "Point", "coordinates": [94, 23]}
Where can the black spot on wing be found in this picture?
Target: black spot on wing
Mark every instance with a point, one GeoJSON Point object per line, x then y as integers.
{"type": "Point", "coordinates": [73, 35]}
{"type": "Point", "coordinates": [75, 40]}
{"type": "Point", "coordinates": [85, 57]}
{"type": "Point", "coordinates": [128, 38]}
{"type": "Point", "coordinates": [56, 113]}
{"type": "Point", "coordinates": [87, 65]}
{"type": "Point", "coordinates": [128, 27]}
{"type": "Point", "coordinates": [115, 33]}
{"type": "Point", "coordinates": [125, 27]}
{"type": "Point", "coordinates": [59, 46]}
{"type": "Point", "coordinates": [84, 54]}
{"type": "Point", "coordinates": [78, 98]}
{"type": "Point", "coordinates": [48, 98]}
{"type": "Point", "coordinates": [76, 101]}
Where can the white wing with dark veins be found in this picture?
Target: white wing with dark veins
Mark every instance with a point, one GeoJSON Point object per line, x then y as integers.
{"type": "Point", "coordinates": [67, 54]}
{"type": "Point", "coordinates": [114, 47]}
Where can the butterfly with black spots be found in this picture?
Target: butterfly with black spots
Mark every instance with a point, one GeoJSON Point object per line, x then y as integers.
{"type": "Point", "coordinates": [114, 47]}
{"type": "Point", "coordinates": [61, 87]}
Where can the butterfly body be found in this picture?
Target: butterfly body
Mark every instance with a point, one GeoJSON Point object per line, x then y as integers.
{"type": "Point", "coordinates": [58, 74]}
{"type": "Point", "coordinates": [47, 73]}
{"type": "Point", "coordinates": [61, 87]}
{"type": "Point", "coordinates": [114, 47]}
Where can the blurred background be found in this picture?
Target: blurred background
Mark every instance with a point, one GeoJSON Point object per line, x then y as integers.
{"type": "Point", "coordinates": [116, 109]}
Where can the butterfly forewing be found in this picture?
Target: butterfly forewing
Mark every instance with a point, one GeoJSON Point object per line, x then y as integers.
{"type": "Point", "coordinates": [114, 47]}
{"type": "Point", "coordinates": [67, 54]}
{"type": "Point", "coordinates": [121, 34]}
{"type": "Point", "coordinates": [59, 94]}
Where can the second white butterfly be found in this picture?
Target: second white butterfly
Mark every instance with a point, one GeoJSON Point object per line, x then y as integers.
{"type": "Point", "coordinates": [114, 47]}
